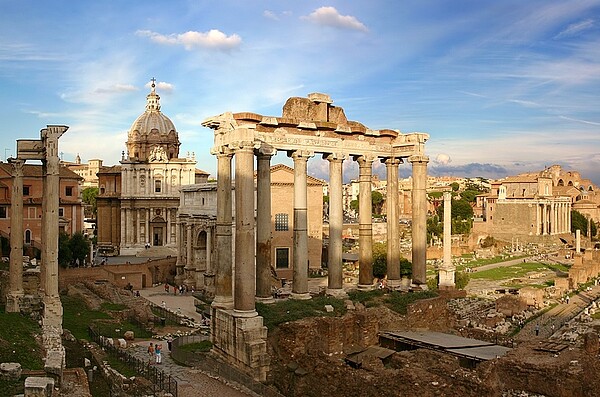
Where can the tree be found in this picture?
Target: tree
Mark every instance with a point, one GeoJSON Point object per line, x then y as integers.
{"type": "Point", "coordinates": [65, 256]}
{"type": "Point", "coordinates": [461, 279]}
{"type": "Point", "coordinates": [80, 248]}
{"type": "Point", "coordinates": [580, 221]}
{"type": "Point", "coordinates": [376, 202]}
{"type": "Point", "coordinates": [461, 218]}
{"type": "Point", "coordinates": [380, 262]}
{"type": "Point", "coordinates": [88, 195]}
{"type": "Point", "coordinates": [354, 206]}
{"type": "Point", "coordinates": [455, 186]}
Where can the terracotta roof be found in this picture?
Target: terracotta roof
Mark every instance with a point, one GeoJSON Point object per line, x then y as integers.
{"type": "Point", "coordinates": [35, 171]}
{"type": "Point", "coordinates": [309, 179]}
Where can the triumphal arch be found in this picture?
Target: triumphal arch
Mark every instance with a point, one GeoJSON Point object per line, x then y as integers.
{"type": "Point", "coordinates": [307, 127]}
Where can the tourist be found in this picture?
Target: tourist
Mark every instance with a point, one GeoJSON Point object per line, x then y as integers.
{"type": "Point", "coordinates": [164, 304]}
{"type": "Point", "coordinates": [157, 353]}
{"type": "Point", "coordinates": [166, 288]}
{"type": "Point", "coordinates": [174, 290]}
{"type": "Point", "coordinates": [568, 299]}
{"type": "Point", "coordinates": [537, 330]}
{"type": "Point", "coordinates": [151, 351]}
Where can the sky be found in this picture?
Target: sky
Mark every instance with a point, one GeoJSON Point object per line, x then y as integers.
{"type": "Point", "coordinates": [501, 86]}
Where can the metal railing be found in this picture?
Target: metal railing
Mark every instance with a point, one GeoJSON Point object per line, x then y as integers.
{"type": "Point", "coordinates": [206, 363]}
{"type": "Point", "coordinates": [159, 379]}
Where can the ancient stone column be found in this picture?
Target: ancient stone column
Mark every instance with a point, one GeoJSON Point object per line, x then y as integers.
{"type": "Point", "coordinates": [15, 289]}
{"type": "Point", "coordinates": [446, 271]}
{"type": "Point", "coordinates": [336, 223]}
{"type": "Point", "coordinates": [263, 226]}
{"type": "Point", "coordinates": [578, 241]}
{"type": "Point", "coordinates": [223, 234]}
{"type": "Point", "coordinates": [50, 138]}
{"type": "Point", "coordinates": [419, 218]}
{"type": "Point", "coordinates": [365, 227]}
{"type": "Point", "coordinates": [245, 248]}
{"type": "Point", "coordinates": [393, 226]}
{"type": "Point", "coordinates": [300, 273]}
{"type": "Point", "coordinates": [186, 276]}
{"type": "Point", "coordinates": [181, 246]}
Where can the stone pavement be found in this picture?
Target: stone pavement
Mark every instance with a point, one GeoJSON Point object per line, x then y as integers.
{"type": "Point", "coordinates": [191, 382]}
{"type": "Point", "coordinates": [551, 321]}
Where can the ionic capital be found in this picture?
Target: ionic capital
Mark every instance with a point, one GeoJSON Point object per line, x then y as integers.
{"type": "Point", "coordinates": [266, 150]}
{"type": "Point", "coordinates": [392, 161]}
{"type": "Point", "coordinates": [17, 166]}
{"type": "Point", "coordinates": [301, 155]}
{"type": "Point", "coordinates": [334, 157]}
{"type": "Point", "coordinates": [365, 160]}
{"type": "Point", "coordinates": [419, 158]}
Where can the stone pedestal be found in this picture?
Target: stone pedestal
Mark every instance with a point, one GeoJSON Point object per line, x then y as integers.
{"type": "Point", "coordinates": [241, 341]}
{"type": "Point", "coordinates": [38, 386]}
{"type": "Point", "coordinates": [13, 302]}
{"type": "Point", "coordinates": [446, 278]}
{"type": "Point", "coordinates": [10, 371]}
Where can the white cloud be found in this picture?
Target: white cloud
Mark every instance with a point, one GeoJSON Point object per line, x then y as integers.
{"type": "Point", "coordinates": [575, 28]}
{"type": "Point", "coordinates": [271, 15]}
{"type": "Point", "coordinates": [213, 39]}
{"type": "Point", "coordinates": [161, 86]}
{"type": "Point", "coordinates": [443, 158]}
{"type": "Point", "coordinates": [115, 88]}
{"type": "Point", "coordinates": [329, 16]}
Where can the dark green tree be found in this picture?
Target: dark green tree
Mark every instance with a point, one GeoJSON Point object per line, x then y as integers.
{"type": "Point", "coordinates": [80, 248]}
{"type": "Point", "coordinates": [379, 260]}
{"type": "Point", "coordinates": [65, 256]}
{"type": "Point", "coordinates": [88, 195]}
{"type": "Point", "coordinates": [376, 202]}
{"type": "Point", "coordinates": [579, 221]}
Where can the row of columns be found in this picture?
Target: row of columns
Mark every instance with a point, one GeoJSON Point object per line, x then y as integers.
{"type": "Point", "coordinates": [131, 234]}
{"type": "Point", "coordinates": [170, 179]}
{"type": "Point", "coordinates": [252, 279]}
{"type": "Point", "coordinates": [553, 218]}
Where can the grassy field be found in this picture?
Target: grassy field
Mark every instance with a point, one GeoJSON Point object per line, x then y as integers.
{"type": "Point", "coordinates": [291, 310]}
{"type": "Point", "coordinates": [515, 271]}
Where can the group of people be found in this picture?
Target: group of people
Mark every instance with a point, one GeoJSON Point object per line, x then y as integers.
{"type": "Point", "coordinates": [155, 352]}
{"type": "Point", "coordinates": [183, 289]}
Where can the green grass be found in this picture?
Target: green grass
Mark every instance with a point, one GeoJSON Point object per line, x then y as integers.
{"type": "Point", "coordinates": [291, 310]}
{"type": "Point", "coordinates": [12, 388]}
{"type": "Point", "coordinates": [120, 366]}
{"type": "Point", "coordinates": [17, 340]}
{"type": "Point", "coordinates": [4, 265]}
{"type": "Point", "coordinates": [367, 298]}
{"type": "Point", "coordinates": [197, 347]}
{"type": "Point", "coordinates": [113, 307]}
{"type": "Point", "coordinates": [399, 301]}
{"type": "Point", "coordinates": [77, 316]}
{"type": "Point", "coordinates": [514, 271]}
{"type": "Point", "coordinates": [113, 329]}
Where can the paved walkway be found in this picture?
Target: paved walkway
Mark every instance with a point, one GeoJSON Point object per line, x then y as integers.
{"type": "Point", "coordinates": [191, 382]}
{"type": "Point", "coordinates": [551, 321]}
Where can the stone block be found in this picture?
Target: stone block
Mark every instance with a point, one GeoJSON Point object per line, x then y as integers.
{"type": "Point", "coordinates": [10, 371]}
{"type": "Point", "coordinates": [328, 308]}
{"type": "Point", "coordinates": [38, 386]}
{"type": "Point", "coordinates": [122, 343]}
{"type": "Point", "coordinates": [129, 335]}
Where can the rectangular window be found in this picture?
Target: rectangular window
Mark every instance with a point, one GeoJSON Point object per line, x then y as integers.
{"type": "Point", "coordinates": [282, 258]}
{"type": "Point", "coordinates": [69, 190]}
{"type": "Point", "coordinates": [61, 212]}
{"type": "Point", "coordinates": [281, 222]}
{"type": "Point", "coordinates": [157, 186]}
{"type": "Point", "coordinates": [3, 212]}
{"type": "Point", "coordinates": [25, 190]}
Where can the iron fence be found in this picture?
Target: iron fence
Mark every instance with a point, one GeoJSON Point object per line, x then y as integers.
{"type": "Point", "coordinates": [209, 364]}
{"type": "Point", "coordinates": [159, 379]}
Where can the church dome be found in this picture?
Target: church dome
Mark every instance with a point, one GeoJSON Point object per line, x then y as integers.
{"type": "Point", "coordinates": [152, 130]}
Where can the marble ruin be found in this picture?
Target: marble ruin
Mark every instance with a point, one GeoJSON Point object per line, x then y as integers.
{"type": "Point", "coordinates": [307, 126]}
{"type": "Point", "coordinates": [46, 151]}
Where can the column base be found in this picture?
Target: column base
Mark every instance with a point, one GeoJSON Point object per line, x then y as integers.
{"type": "Point", "coordinates": [337, 293]}
{"type": "Point", "coordinates": [13, 302]}
{"type": "Point", "coordinates": [302, 296]}
{"type": "Point", "coordinates": [418, 287]}
{"type": "Point", "coordinates": [394, 284]}
{"type": "Point", "coordinates": [244, 313]}
{"type": "Point", "coordinates": [365, 287]}
{"type": "Point", "coordinates": [267, 300]}
{"type": "Point", "coordinates": [241, 342]}
{"type": "Point", "coordinates": [222, 302]}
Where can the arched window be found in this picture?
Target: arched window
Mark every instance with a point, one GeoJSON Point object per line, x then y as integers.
{"type": "Point", "coordinates": [27, 236]}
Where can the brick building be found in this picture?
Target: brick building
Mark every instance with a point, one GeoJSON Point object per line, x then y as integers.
{"type": "Point", "coordinates": [70, 211]}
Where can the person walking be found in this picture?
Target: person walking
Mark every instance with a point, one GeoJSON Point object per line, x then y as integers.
{"type": "Point", "coordinates": [157, 352]}
{"type": "Point", "coordinates": [537, 330]}
{"type": "Point", "coordinates": [151, 351]}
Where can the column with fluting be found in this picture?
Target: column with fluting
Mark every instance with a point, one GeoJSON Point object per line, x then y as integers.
{"type": "Point", "coordinates": [263, 225]}
{"type": "Point", "coordinates": [365, 227]}
{"type": "Point", "coordinates": [15, 289]}
{"type": "Point", "coordinates": [223, 233]}
{"type": "Point", "coordinates": [336, 223]}
{"type": "Point", "coordinates": [393, 226]}
{"type": "Point", "coordinates": [300, 256]}
{"type": "Point", "coordinates": [446, 271]}
{"type": "Point", "coordinates": [419, 219]}
{"type": "Point", "coordinates": [245, 245]}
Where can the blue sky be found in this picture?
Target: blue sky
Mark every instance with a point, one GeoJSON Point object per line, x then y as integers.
{"type": "Point", "coordinates": [502, 86]}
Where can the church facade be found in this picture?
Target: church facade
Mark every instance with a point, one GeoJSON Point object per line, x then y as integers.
{"type": "Point", "coordinates": [138, 199]}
